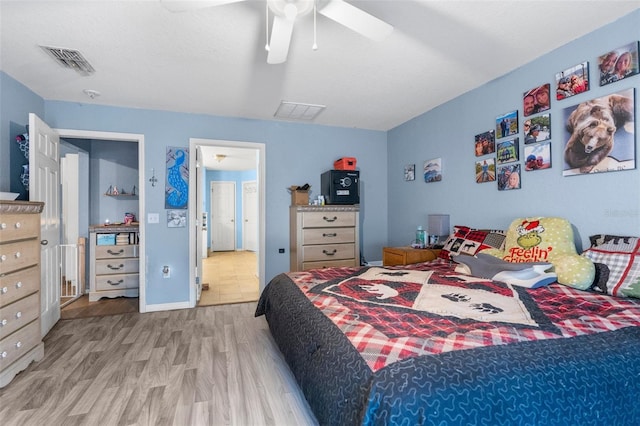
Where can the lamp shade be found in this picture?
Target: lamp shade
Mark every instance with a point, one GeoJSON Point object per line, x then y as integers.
{"type": "Point", "coordinates": [438, 224]}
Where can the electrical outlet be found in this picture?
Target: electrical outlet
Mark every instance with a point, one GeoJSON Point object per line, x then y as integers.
{"type": "Point", "coordinates": [166, 273]}
{"type": "Point", "coordinates": [281, 250]}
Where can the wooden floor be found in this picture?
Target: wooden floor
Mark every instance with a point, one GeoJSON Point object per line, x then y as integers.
{"type": "Point", "coordinates": [214, 365]}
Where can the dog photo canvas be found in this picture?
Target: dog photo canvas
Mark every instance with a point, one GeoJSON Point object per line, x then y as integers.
{"type": "Point", "coordinates": [600, 135]}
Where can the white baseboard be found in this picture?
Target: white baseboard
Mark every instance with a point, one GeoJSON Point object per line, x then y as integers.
{"type": "Point", "coordinates": [167, 306]}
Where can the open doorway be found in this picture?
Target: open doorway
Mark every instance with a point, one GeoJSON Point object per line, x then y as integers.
{"type": "Point", "coordinates": [234, 271]}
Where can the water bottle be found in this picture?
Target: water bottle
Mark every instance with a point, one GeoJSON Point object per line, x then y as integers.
{"type": "Point", "coordinates": [421, 237]}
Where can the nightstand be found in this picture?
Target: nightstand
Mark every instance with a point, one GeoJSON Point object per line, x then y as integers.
{"type": "Point", "coordinates": [406, 255]}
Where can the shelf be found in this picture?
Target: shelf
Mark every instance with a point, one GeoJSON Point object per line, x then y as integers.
{"type": "Point", "coordinates": [131, 196]}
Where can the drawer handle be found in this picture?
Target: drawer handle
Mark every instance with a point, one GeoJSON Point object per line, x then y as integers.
{"type": "Point", "coordinates": [333, 234]}
{"type": "Point", "coordinates": [115, 283]}
{"type": "Point", "coordinates": [18, 345]}
{"type": "Point", "coordinates": [3, 323]}
{"type": "Point", "coordinates": [44, 242]}
{"type": "Point", "coordinates": [17, 255]}
{"type": "Point", "coordinates": [4, 354]}
{"type": "Point", "coordinates": [115, 268]}
{"type": "Point", "coordinates": [3, 258]}
{"type": "Point", "coordinates": [18, 225]}
{"type": "Point", "coordinates": [115, 253]}
{"type": "Point", "coordinates": [330, 220]}
{"type": "Point", "coordinates": [3, 225]}
{"type": "Point", "coordinates": [4, 290]}
{"type": "Point", "coordinates": [18, 315]}
{"type": "Point", "coordinates": [330, 253]}
{"type": "Point", "coordinates": [19, 284]}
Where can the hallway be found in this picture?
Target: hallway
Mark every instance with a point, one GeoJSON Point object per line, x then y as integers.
{"type": "Point", "coordinates": [231, 276]}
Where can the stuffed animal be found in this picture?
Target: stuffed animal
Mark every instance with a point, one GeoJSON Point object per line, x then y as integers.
{"type": "Point", "coordinates": [547, 239]}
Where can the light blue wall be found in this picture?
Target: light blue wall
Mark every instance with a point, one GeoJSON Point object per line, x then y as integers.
{"type": "Point", "coordinates": [228, 176]}
{"type": "Point", "coordinates": [295, 153]}
{"type": "Point", "coordinates": [608, 202]}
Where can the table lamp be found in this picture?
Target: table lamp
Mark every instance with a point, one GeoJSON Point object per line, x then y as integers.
{"type": "Point", "coordinates": [438, 227]}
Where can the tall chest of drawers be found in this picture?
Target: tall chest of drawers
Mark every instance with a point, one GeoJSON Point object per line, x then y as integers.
{"type": "Point", "coordinates": [324, 236]}
{"type": "Point", "coordinates": [114, 264]}
{"type": "Point", "coordinates": [20, 339]}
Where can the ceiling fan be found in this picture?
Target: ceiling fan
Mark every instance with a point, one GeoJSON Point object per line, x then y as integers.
{"type": "Point", "coordinates": [285, 13]}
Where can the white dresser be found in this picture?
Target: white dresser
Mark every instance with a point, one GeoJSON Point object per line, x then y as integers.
{"type": "Point", "coordinates": [113, 264]}
{"type": "Point", "coordinates": [20, 340]}
{"type": "Point", "coordinates": [324, 236]}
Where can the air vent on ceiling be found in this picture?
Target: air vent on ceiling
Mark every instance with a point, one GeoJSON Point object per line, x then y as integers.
{"type": "Point", "coordinates": [298, 111]}
{"type": "Point", "coordinates": [69, 58]}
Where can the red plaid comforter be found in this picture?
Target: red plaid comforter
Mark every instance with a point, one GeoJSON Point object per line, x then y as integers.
{"type": "Point", "coordinates": [388, 319]}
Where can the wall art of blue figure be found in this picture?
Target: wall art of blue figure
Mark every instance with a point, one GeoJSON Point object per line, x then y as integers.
{"type": "Point", "coordinates": [177, 186]}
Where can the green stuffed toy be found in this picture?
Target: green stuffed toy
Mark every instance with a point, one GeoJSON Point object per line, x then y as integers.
{"type": "Point", "coordinates": [547, 239]}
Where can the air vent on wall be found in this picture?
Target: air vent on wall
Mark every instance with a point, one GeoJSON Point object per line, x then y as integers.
{"type": "Point", "coordinates": [69, 58]}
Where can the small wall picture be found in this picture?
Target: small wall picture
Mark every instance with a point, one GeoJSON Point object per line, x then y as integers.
{"type": "Point", "coordinates": [537, 157]}
{"type": "Point", "coordinates": [509, 177]}
{"type": "Point", "coordinates": [176, 218]}
{"type": "Point", "coordinates": [572, 81]}
{"type": "Point", "coordinates": [433, 170]}
{"type": "Point", "coordinates": [619, 64]}
{"type": "Point", "coordinates": [507, 124]}
{"type": "Point", "coordinates": [410, 172]}
{"type": "Point", "coordinates": [176, 193]}
{"type": "Point", "coordinates": [536, 100]}
{"type": "Point", "coordinates": [485, 143]}
{"type": "Point", "coordinates": [599, 135]}
{"type": "Point", "coordinates": [485, 170]}
{"type": "Point", "coordinates": [537, 129]}
{"type": "Point", "coordinates": [508, 151]}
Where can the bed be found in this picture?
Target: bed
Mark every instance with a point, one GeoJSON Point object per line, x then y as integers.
{"type": "Point", "coordinates": [423, 344]}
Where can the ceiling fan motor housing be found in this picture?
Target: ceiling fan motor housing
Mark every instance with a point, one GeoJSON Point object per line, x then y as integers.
{"type": "Point", "coordinates": [291, 8]}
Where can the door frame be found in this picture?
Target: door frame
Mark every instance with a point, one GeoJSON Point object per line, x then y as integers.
{"type": "Point", "coordinates": [125, 137]}
{"type": "Point", "coordinates": [195, 231]}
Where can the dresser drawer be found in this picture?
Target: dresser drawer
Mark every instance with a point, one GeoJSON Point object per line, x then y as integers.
{"type": "Point", "coordinates": [18, 284]}
{"type": "Point", "coordinates": [19, 226]}
{"type": "Point", "coordinates": [111, 252]}
{"type": "Point", "coordinates": [117, 266]}
{"type": "Point", "coordinates": [18, 314]}
{"type": "Point", "coordinates": [328, 252]}
{"type": "Point", "coordinates": [328, 235]}
{"type": "Point", "coordinates": [328, 219]}
{"type": "Point", "coordinates": [19, 255]}
{"type": "Point", "coordinates": [328, 264]}
{"type": "Point", "coordinates": [17, 344]}
{"type": "Point", "coordinates": [117, 282]}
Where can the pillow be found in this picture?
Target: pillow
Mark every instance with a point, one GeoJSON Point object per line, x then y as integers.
{"type": "Point", "coordinates": [465, 240]}
{"type": "Point", "coordinates": [617, 260]}
{"type": "Point", "coordinates": [547, 239]}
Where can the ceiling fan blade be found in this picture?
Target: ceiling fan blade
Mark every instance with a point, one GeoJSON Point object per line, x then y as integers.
{"type": "Point", "coordinates": [280, 39]}
{"type": "Point", "coordinates": [356, 19]}
{"type": "Point", "coordinates": [187, 5]}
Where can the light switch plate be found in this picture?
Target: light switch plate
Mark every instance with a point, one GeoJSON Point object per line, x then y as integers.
{"type": "Point", "coordinates": [153, 218]}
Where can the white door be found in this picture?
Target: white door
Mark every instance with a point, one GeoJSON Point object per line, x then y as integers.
{"type": "Point", "coordinates": [44, 185]}
{"type": "Point", "coordinates": [250, 215]}
{"type": "Point", "coordinates": [223, 216]}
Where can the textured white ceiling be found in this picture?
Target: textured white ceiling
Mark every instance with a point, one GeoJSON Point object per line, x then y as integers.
{"type": "Point", "coordinates": [212, 60]}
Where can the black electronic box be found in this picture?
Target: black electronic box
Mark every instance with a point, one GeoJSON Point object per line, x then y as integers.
{"type": "Point", "coordinates": [340, 186]}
